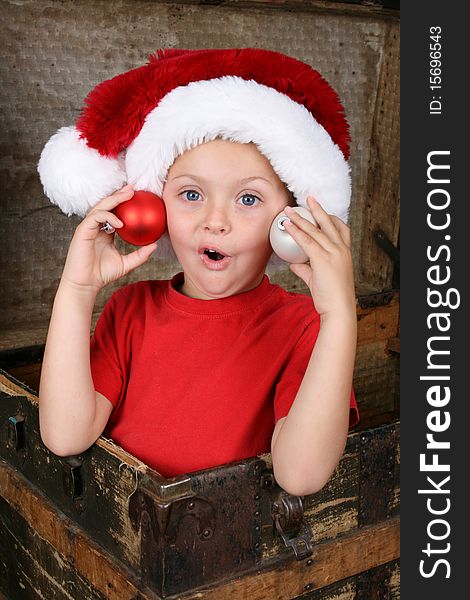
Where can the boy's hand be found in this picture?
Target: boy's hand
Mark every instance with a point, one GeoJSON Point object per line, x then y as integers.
{"type": "Point", "coordinates": [93, 260]}
{"type": "Point", "coordinates": [329, 272]}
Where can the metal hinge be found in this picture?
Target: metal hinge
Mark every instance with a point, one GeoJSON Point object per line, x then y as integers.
{"type": "Point", "coordinates": [288, 515]}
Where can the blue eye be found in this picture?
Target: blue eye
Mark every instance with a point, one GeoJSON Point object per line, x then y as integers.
{"type": "Point", "coordinates": [249, 200]}
{"type": "Point", "coordinates": [191, 195]}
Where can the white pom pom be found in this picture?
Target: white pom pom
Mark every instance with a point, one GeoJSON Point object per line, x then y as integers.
{"type": "Point", "coordinates": [74, 176]}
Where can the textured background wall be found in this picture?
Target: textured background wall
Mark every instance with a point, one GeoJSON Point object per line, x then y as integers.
{"type": "Point", "coordinates": [53, 53]}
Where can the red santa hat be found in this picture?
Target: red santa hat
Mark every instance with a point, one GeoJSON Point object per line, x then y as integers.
{"type": "Point", "coordinates": [135, 125]}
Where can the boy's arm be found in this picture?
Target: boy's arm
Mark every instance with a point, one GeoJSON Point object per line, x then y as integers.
{"type": "Point", "coordinates": [72, 415]}
{"type": "Point", "coordinates": [307, 444]}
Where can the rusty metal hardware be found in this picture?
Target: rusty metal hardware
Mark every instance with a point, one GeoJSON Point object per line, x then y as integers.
{"type": "Point", "coordinates": [387, 246]}
{"type": "Point", "coordinates": [16, 437]}
{"type": "Point", "coordinates": [374, 300]}
{"type": "Point", "coordinates": [72, 477]}
{"type": "Point", "coordinates": [288, 512]}
{"type": "Point", "coordinates": [166, 490]}
{"type": "Point", "coordinates": [207, 527]}
{"type": "Point", "coordinates": [267, 481]}
{"type": "Point", "coordinates": [393, 253]}
{"type": "Point", "coordinates": [163, 518]}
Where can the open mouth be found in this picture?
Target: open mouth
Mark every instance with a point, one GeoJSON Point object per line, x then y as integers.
{"type": "Point", "coordinates": [213, 254]}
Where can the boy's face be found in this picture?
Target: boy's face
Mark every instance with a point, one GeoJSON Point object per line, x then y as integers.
{"type": "Point", "coordinates": [222, 196]}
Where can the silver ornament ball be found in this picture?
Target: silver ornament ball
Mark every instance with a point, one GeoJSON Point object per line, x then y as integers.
{"type": "Point", "coordinates": [283, 243]}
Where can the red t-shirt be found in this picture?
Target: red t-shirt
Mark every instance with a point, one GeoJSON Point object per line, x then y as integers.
{"type": "Point", "coordinates": [199, 383]}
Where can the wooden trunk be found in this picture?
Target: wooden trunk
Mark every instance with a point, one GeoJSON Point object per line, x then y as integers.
{"type": "Point", "coordinates": [104, 525]}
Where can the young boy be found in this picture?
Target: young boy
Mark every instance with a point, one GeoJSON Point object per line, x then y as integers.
{"type": "Point", "coordinates": [217, 364]}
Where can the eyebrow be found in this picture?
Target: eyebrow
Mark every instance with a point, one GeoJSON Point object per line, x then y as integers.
{"type": "Point", "coordinates": [202, 179]}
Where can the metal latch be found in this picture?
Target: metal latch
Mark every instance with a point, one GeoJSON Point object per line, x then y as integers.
{"type": "Point", "coordinates": [16, 436]}
{"type": "Point", "coordinates": [288, 514]}
{"type": "Point", "coordinates": [72, 477]}
{"type": "Point", "coordinates": [392, 252]}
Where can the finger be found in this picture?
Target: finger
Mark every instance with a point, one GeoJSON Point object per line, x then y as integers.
{"type": "Point", "coordinates": [301, 270]}
{"type": "Point", "coordinates": [138, 257]}
{"type": "Point", "coordinates": [98, 218]}
{"type": "Point", "coordinates": [313, 230]}
{"type": "Point", "coordinates": [324, 220]}
{"type": "Point", "coordinates": [309, 243]}
{"type": "Point", "coordinates": [343, 229]}
{"type": "Point", "coordinates": [114, 199]}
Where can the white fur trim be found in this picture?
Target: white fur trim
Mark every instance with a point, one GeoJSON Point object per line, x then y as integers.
{"type": "Point", "coordinates": [76, 177]}
{"type": "Point", "coordinates": [299, 149]}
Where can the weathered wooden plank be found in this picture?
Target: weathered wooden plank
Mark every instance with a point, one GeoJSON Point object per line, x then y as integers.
{"type": "Point", "coordinates": [333, 560]}
{"type": "Point", "coordinates": [378, 322]}
{"type": "Point", "coordinates": [381, 210]}
{"type": "Point", "coordinates": [23, 363]}
{"type": "Point", "coordinates": [376, 583]}
{"type": "Point", "coordinates": [14, 388]}
{"type": "Point", "coordinates": [343, 590]}
{"type": "Point", "coordinates": [379, 583]}
{"type": "Point", "coordinates": [107, 477]}
{"type": "Point", "coordinates": [73, 546]}
{"type": "Point", "coordinates": [334, 509]}
{"type": "Point", "coordinates": [395, 582]}
{"type": "Point", "coordinates": [31, 568]}
{"type": "Point", "coordinates": [376, 381]}
{"type": "Point", "coordinates": [393, 345]}
{"type": "Point", "coordinates": [377, 474]}
{"type": "Point", "coordinates": [339, 7]}
{"type": "Point", "coordinates": [29, 375]}
{"type": "Point", "coordinates": [394, 505]}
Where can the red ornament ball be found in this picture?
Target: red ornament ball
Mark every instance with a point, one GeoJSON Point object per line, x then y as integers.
{"type": "Point", "coordinates": [144, 218]}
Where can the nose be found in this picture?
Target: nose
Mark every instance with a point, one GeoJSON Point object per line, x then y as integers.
{"type": "Point", "coordinates": [216, 218]}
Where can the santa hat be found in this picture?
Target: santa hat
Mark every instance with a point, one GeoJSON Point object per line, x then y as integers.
{"type": "Point", "coordinates": [135, 125]}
